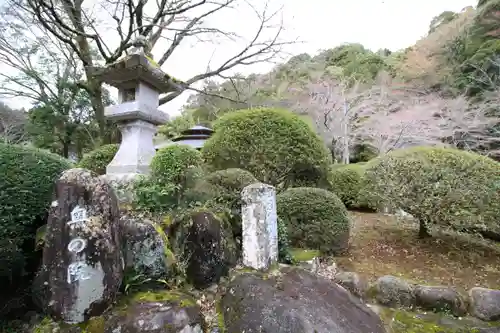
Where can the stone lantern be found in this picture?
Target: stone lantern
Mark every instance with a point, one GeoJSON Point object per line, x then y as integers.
{"type": "Point", "coordinates": [139, 82]}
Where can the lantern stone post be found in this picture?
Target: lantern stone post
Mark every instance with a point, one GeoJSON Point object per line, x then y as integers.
{"type": "Point", "coordinates": [139, 82]}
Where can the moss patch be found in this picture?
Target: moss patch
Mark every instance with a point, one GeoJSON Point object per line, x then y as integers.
{"type": "Point", "coordinates": [400, 321]}
{"type": "Point", "coordinates": [304, 254]}
{"type": "Point", "coordinates": [169, 255]}
{"type": "Point", "coordinates": [45, 326]}
{"type": "Point", "coordinates": [163, 296]}
{"type": "Point", "coordinates": [94, 325]}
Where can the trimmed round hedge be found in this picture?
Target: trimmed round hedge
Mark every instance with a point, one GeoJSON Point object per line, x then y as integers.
{"type": "Point", "coordinates": [26, 189]}
{"type": "Point", "coordinates": [346, 181]}
{"type": "Point", "coordinates": [173, 163]}
{"type": "Point", "coordinates": [98, 159]}
{"type": "Point", "coordinates": [442, 186]}
{"type": "Point", "coordinates": [230, 182]}
{"type": "Point", "coordinates": [275, 145]}
{"type": "Point", "coordinates": [315, 219]}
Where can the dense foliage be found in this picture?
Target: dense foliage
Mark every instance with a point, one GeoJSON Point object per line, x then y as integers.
{"type": "Point", "coordinates": [346, 181]}
{"type": "Point", "coordinates": [439, 186]}
{"type": "Point", "coordinates": [98, 159]}
{"type": "Point", "coordinates": [276, 146]}
{"type": "Point", "coordinates": [26, 189]}
{"type": "Point", "coordinates": [174, 170]}
{"type": "Point", "coordinates": [314, 218]}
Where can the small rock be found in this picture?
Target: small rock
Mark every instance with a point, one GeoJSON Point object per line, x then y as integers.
{"type": "Point", "coordinates": [440, 299]}
{"type": "Point", "coordinates": [352, 282]}
{"type": "Point", "coordinates": [485, 303]}
{"type": "Point", "coordinates": [394, 292]}
{"type": "Point", "coordinates": [311, 265]}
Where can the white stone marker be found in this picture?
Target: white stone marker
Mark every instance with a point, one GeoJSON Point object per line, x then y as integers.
{"type": "Point", "coordinates": [260, 226]}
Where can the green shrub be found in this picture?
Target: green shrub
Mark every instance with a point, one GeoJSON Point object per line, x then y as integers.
{"type": "Point", "coordinates": [26, 189]}
{"type": "Point", "coordinates": [174, 169]}
{"type": "Point", "coordinates": [98, 159]}
{"type": "Point", "coordinates": [441, 186]}
{"type": "Point", "coordinates": [315, 219]}
{"type": "Point", "coordinates": [224, 189]}
{"type": "Point", "coordinates": [227, 185]}
{"type": "Point", "coordinates": [172, 163]}
{"type": "Point", "coordinates": [284, 253]}
{"type": "Point", "coordinates": [345, 181]}
{"type": "Point", "coordinates": [275, 145]}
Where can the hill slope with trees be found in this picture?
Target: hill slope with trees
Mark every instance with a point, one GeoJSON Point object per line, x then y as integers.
{"type": "Point", "coordinates": [442, 90]}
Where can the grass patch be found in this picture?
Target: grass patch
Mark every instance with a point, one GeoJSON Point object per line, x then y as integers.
{"type": "Point", "coordinates": [303, 254]}
{"type": "Point", "coordinates": [385, 245]}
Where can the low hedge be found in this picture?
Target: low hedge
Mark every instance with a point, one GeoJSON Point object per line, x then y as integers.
{"type": "Point", "coordinates": [98, 159]}
{"type": "Point", "coordinates": [439, 186]}
{"type": "Point", "coordinates": [315, 219]}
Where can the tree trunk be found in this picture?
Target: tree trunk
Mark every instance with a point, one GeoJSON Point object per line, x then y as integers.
{"type": "Point", "coordinates": [98, 106]}
{"type": "Point", "coordinates": [423, 231]}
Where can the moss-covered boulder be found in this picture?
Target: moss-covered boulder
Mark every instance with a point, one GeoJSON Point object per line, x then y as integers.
{"type": "Point", "coordinates": [204, 246]}
{"type": "Point", "coordinates": [315, 219]}
{"type": "Point", "coordinates": [146, 247]}
{"type": "Point", "coordinates": [154, 311]}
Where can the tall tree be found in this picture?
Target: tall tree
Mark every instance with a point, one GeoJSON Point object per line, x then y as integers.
{"type": "Point", "coordinates": [12, 125]}
{"type": "Point", "coordinates": [78, 27]}
{"type": "Point", "coordinates": [46, 72]}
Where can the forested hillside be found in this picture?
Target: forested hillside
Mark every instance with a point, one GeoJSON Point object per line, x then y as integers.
{"type": "Point", "coordinates": [442, 90]}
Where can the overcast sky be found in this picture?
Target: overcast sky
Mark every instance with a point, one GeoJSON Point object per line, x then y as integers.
{"type": "Point", "coordinates": [320, 24]}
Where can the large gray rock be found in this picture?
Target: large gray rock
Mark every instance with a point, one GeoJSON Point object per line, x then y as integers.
{"type": "Point", "coordinates": [394, 292]}
{"type": "Point", "coordinates": [294, 301]}
{"type": "Point", "coordinates": [485, 303]}
{"type": "Point", "coordinates": [440, 299]}
{"type": "Point", "coordinates": [204, 243]}
{"type": "Point", "coordinates": [82, 266]}
{"type": "Point", "coordinates": [145, 246]}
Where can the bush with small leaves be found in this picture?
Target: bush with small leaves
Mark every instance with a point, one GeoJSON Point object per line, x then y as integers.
{"type": "Point", "coordinates": [275, 145]}
{"type": "Point", "coordinates": [439, 186]}
{"type": "Point", "coordinates": [224, 187]}
{"type": "Point", "coordinates": [315, 219]}
{"type": "Point", "coordinates": [172, 163]}
{"type": "Point", "coordinates": [284, 254]}
{"type": "Point", "coordinates": [98, 159]}
{"type": "Point", "coordinates": [26, 189]}
{"type": "Point", "coordinates": [345, 181]}
{"type": "Point", "coordinates": [174, 170]}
